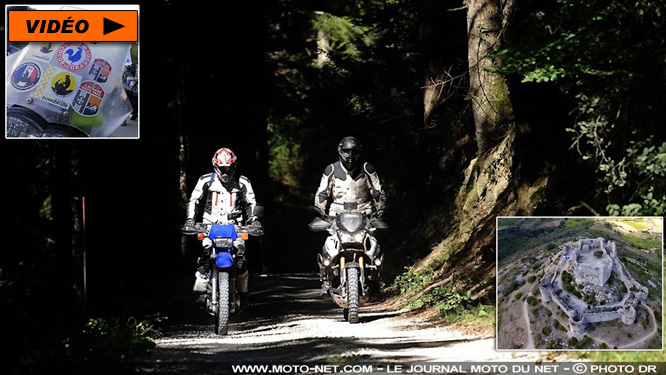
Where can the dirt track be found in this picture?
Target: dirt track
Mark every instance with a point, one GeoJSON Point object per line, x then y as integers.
{"type": "Point", "coordinates": [289, 323]}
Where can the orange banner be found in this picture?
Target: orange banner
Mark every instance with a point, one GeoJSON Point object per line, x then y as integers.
{"type": "Point", "coordinates": [73, 25]}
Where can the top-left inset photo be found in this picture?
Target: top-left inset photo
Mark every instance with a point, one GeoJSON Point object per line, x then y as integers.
{"type": "Point", "coordinates": [59, 84]}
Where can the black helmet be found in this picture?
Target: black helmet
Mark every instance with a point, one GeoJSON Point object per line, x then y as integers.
{"type": "Point", "coordinates": [349, 150]}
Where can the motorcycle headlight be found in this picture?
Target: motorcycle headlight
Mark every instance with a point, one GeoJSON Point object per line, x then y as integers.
{"type": "Point", "coordinates": [351, 221]}
{"type": "Point", "coordinates": [22, 122]}
{"type": "Point", "coordinates": [223, 243]}
{"type": "Point", "coordinates": [356, 237]}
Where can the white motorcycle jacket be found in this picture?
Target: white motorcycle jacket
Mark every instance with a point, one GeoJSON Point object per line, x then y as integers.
{"type": "Point", "coordinates": [338, 186]}
{"type": "Point", "coordinates": [218, 201]}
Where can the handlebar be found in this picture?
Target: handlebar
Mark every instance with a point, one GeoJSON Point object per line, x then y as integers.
{"type": "Point", "coordinates": [203, 228]}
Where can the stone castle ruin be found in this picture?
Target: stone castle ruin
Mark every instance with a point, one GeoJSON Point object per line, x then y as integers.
{"type": "Point", "coordinates": [593, 262]}
{"type": "Point", "coordinates": [590, 268]}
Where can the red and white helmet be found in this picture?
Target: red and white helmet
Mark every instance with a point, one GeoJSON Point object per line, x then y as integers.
{"type": "Point", "coordinates": [224, 164]}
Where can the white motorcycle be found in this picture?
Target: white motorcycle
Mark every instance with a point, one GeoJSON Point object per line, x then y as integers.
{"type": "Point", "coordinates": [350, 258]}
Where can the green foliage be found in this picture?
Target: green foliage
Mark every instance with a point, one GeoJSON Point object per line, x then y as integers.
{"type": "Point", "coordinates": [506, 222]}
{"type": "Point", "coordinates": [641, 242]}
{"type": "Point", "coordinates": [586, 341]}
{"type": "Point", "coordinates": [531, 278]}
{"type": "Point", "coordinates": [546, 331]}
{"type": "Point", "coordinates": [567, 280]}
{"type": "Point", "coordinates": [342, 34]}
{"type": "Point", "coordinates": [480, 316]}
{"type": "Point", "coordinates": [444, 298]}
{"type": "Point", "coordinates": [573, 223]}
{"type": "Point", "coordinates": [411, 281]}
{"type": "Point", "coordinates": [531, 301]}
{"type": "Point", "coordinates": [513, 285]}
{"type": "Point", "coordinates": [518, 295]}
{"type": "Point", "coordinates": [118, 340]}
{"type": "Point", "coordinates": [609, 57]}
{"type": "Point", "coordinates": [285, 166]}
{"type": "Point", "coordinates": [535, 290]}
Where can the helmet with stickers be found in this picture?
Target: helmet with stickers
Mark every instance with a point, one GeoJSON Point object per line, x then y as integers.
{"type": "Point", "coordinates": [224, 164]}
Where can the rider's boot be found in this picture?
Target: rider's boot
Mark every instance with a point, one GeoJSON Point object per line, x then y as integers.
{"type": "Point", "coordinates": [323, 277]}
{"type": "Point", "coordinates": [244, 301]}
{"type": "Point", "coordinates": [325, 288]}
{"type": "Point", "coordinates": [201, 280]}
{"type": "Point", "coordinates": [242, 286]}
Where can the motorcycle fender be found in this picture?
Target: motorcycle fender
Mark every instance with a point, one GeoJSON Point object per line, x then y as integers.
{"type": "Point", "coordinates": [370, 251]}
{"type": "Point", "coordinates": [331, 247]}
{"type": "Point", "coordinates": [224, 260]}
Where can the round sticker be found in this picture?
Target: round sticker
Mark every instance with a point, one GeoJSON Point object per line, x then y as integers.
{"type": "Point", "coordinates": [26, 76]}
{"type": "Point", "coordinates": [63, 83]}
{"type": "Point", "coordinates": [88, 99]}
{"type": "Point", "coordinates": [46, 47]}
{"type": "Point", "coordinates": [100, 70]}
{"type": "Point", "coordinates": [73, 56]}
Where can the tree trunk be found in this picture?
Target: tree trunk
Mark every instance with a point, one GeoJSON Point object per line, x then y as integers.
{"type": "Point", "coordinates": [486, 21]}
{"type": "Point", "coordinates": [492, 183]}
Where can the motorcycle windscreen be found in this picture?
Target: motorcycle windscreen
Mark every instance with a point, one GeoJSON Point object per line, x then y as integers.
{"type": "Point", "coordinates": [351, 221]}
{"type": "Point", "coordinates": [72, 83]}
{"type": "Point", "coordinates": [224, 260]}
{"type": "Point", "coordinates": [220, 230]}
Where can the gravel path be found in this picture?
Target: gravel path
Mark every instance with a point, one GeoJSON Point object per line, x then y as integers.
{"type": "Point", "coordinates": [289, 323]}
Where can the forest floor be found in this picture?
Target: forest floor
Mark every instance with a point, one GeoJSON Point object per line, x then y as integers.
{"type": "Point", "coordinates": [288, 322]}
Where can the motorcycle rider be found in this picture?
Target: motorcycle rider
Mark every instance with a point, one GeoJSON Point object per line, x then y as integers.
{"type": "Point", "coordinates": [220, 193]}
{"type": "Point", "coordinates": [348, 180]}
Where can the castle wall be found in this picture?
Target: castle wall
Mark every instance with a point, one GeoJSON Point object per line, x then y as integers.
{"type": "Point", "coordinates": [576, 329]}
{"type": "Point", "coordinates": [571, 313]}
{"type": "Point", "coordinates": [546, 290]}
{"type": "Point", "coordinates": [596, 271]}
{"type": "Point", "coordinates": [604, 316]}
{"type": "Point", "coordinates": [629, 315]}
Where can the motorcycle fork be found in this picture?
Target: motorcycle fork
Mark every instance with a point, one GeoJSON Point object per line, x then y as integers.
{"type": "Point", "coordinates": [213, 289]}
{"type": "Point", "coordinates": [343, 276]}
{"type": "Point", "coordinates": [361, 264]}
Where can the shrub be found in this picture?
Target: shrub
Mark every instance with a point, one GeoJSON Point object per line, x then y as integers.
{"type": "Point", "coordinates": [546, 331]}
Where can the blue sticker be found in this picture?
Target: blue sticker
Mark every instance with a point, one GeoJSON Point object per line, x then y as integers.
{"type": "Point", "coordinates": [26, 76]}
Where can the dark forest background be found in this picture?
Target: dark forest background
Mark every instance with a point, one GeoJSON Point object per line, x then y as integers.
{"type": "Point", "coordinates": [468, 110]}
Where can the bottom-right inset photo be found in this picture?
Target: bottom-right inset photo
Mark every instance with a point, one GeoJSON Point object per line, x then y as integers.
{"type": "Point", "coordinates": [579, 283]}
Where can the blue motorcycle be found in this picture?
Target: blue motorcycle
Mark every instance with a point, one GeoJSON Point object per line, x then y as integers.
{"type": "Point", "coordinates": [222, 299]}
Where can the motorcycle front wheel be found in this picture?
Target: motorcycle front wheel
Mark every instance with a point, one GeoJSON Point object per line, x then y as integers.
{"type": "Point", "coordinates": [352, 295]}
{"type": "Point", "coordinates": [222, 316]}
